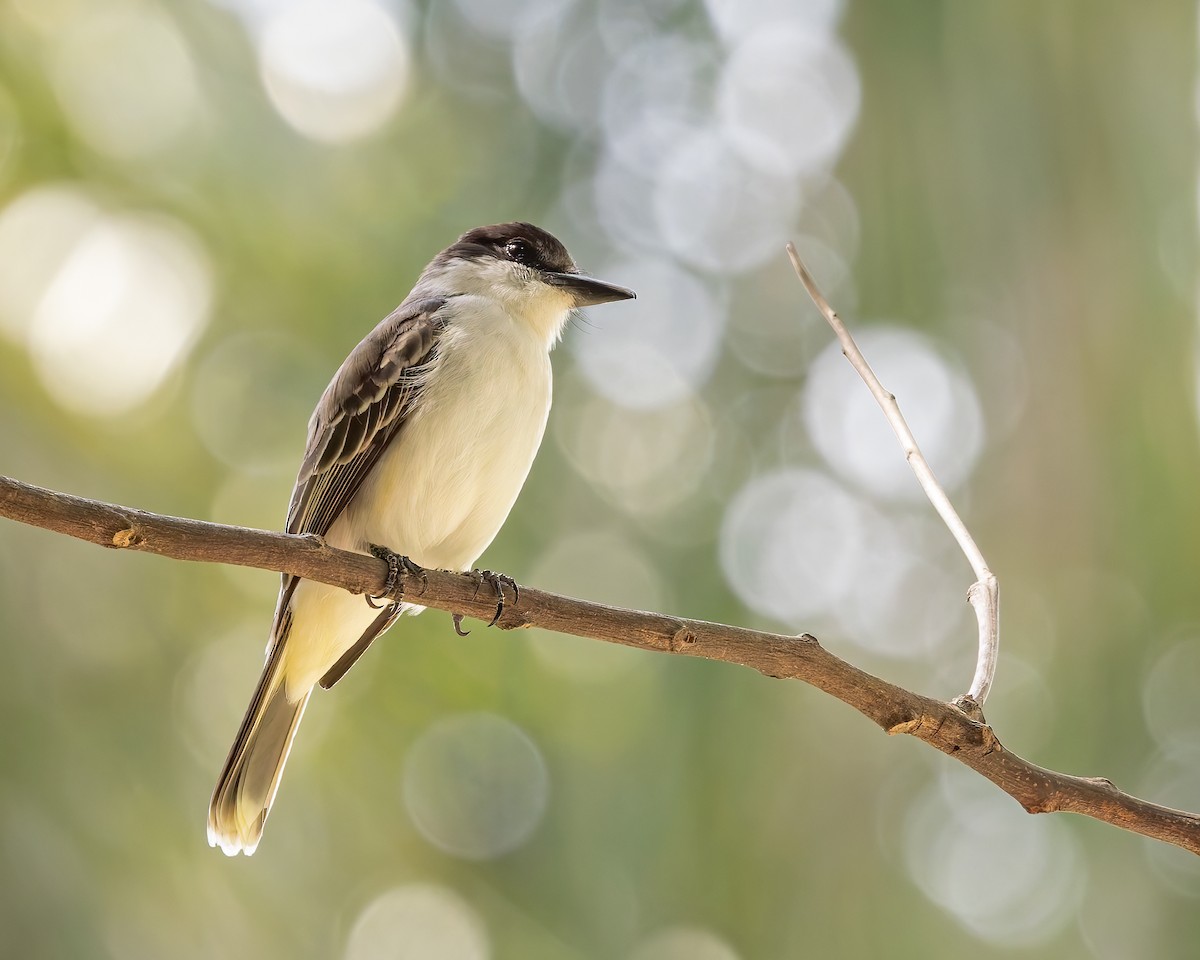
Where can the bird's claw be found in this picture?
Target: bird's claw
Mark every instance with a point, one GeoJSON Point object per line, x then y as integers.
{"type": "Point", "coordinates": [497, 581]}
{"type": "Point", "coordinates": [458, 619]}
{"type": "Point", "coordinates": [397, 565]}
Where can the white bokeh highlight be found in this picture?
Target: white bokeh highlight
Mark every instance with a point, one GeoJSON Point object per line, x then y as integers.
{"type": "Point", "coordinates": [1010, 879]}
{"type": "Point", "coordinates": [475, 786]}
{"type": "Point", "coordinates": [38, 231]}
{"type": "Point", "coordinates": [418, 921]}
{"type": "Point", "coordinates": [660, 348]}
{"type": "Point", "coordinates": [797, 546]}
{"type": "Point", "coordinates": [125, 78]}
{"type": "Point", "coordinates": [621, 192]}
{"type": "Point", "coordinates": [654, 91]}
{"type": "Point", "coordinates": [1169, 703]}
{"type": "Point", "coordinates": [705, 145]}
{"type": "Point", "coordinates": [683, 943]}
{"type": "Point", "coordinates": [643, 461]}
{"type": "Point", "coordinates": [788, 99]}
{"type": "Point", "coordinates": [1172, 778]}
{"type": "Point", "coordinates": [733, 20]}
{"type": "Point", "coordinates": [335, 70]}
{"type": "Point", "coordinates": [502, 19]}
{"type": "Point", "coordinates": [850, 431]}
{"type": "Point", "coordinates": [906, 597]}
{"type": "Point", "coordinates": [790, 543]}
{"type": "Point", "coordinates": [107, 303]}
{"type": "Point", "coordinates": [716, 210]}
{"type": "Point", "coordinates": [560, 63]}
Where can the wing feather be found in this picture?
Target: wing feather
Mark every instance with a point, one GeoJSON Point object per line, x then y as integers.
{"type": "Point", "coordinates": [360, 413]}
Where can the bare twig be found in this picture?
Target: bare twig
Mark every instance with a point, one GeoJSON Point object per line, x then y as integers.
{"type": "Point", "coordinates": [941, 725]}
{"type": "Point", "coordinates": [984, 594]}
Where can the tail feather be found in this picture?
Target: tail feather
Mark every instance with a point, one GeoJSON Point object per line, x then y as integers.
{"type": "Point", "coordinates": [248, 782]}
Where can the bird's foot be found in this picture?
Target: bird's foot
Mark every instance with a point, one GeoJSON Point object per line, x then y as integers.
{"type": "Point", "coordinates": [458, 619]}
{"type": "Point", "coordinates": [497, 581]}
{"type": "Point", "coordinates": [397, 566]}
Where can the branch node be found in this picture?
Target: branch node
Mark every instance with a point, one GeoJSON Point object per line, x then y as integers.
{"type": "Point", "coordinates": [969, 706]}
{"type": "Point", "coordinates": [681, 639]}
{"type": "Point", "coordinates": [922, 727]}
{"type": "Point", "coordinates": [129, 538]}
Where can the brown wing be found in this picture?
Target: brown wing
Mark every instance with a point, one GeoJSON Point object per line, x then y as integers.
{"type": "Point", "coordinates": [359, 414]}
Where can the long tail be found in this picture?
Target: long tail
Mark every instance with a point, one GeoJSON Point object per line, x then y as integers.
{"type": "Point", "coordinates": [250, 777]}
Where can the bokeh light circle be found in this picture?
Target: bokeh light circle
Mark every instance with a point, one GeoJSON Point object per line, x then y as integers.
{"type": "Point", "coordinates": [336, 70]}
{"type": "Point", "coordinates": [683, 943]}
{"type": "Point", "coordinates": [904, 597]}
{"type": "Point", "coordinates": [1011, 879]}
{"type": "Point", "coordinates": [622, 193]}
{"type": "Point", "coordinates": [734, 19]}
{"type": "Point", "coordinates": [125, 77]}
{"type": "Point", "coordinates": [107, 303]}
{"type": "Point", "coordinates": [38, 231]}
{"type": "Point", "coordinates": [418, 921]}
{"type": "Point", "coordinates": [659, 348]}
{"type": "Point", "coordinates": [790, 543]}
{"type": "Point", "coordinates": [652, 93]}
{"type": "Point", "coordinates": [643, 461]}
{"type": "Point", "coordinates": [717, 211]}
{"type": "Point", "coordinates": [560, 63]}
{"type": "Point", "coordinates": [1173, 779]}
{"type": "Point", "coordinates": [788, 99]}
{"type": "Point", "coordinates": [1168, 696]}
{"type": "Point", "coordinates": [937, 399]}
{"type": "Point", "coordinates": [475, 786]}
{"type": "Point", "coordinates": [502, 19]}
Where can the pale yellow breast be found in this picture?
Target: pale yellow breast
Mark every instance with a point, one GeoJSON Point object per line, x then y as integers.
{"type": "Point", "coordinates": [445, 486]}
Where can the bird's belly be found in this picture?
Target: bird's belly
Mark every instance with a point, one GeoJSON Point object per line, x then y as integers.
{"type": "Point", "coordinates": [445, 485]}
{"type": "Point", "coordinates": [443, 488]}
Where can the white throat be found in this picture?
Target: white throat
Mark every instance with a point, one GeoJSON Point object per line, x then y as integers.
{"type": "Point", "coordinates": [519, 290]}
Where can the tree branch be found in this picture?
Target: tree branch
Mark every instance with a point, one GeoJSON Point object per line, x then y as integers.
{"type": "Point", "coordinates": [984, 593]}
{"type": "Point", "coordinates": [941, 725]}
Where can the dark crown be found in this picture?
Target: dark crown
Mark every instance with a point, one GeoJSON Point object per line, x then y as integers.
{"type": "Point", "coordinates": [520, 242]}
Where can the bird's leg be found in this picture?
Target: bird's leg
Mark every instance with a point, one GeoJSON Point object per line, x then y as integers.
{"type": "Point", "coordinates": [497, 581]}
{"type": "Point", "coordinates": [394, 583]}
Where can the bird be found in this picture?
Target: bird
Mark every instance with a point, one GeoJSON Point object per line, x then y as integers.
{"type": "Point", "coordinates": [421, 442]}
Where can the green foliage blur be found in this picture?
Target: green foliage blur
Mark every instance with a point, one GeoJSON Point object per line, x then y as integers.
{"type": "Point", "coordinates": [1015, 188]}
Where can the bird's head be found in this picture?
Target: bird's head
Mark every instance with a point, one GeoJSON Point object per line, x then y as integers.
{"type": "Point", "coordinates": [526, 268]}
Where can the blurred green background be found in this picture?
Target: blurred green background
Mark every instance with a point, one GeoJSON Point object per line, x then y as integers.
{"type": "Point", "coordinates": [204, 205]}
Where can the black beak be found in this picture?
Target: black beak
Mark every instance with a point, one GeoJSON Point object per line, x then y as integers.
{"type": "Point", "coordinates": [587, 291]}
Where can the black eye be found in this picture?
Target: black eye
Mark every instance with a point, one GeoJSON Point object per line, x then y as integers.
{"type": "Point", "coordinates": [519, 250]}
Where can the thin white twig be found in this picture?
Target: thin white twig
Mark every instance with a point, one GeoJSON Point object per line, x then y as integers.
{"type": "Point", "coordinates": [984, 594]}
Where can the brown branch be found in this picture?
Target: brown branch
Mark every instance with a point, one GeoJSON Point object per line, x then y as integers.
{"type": "Point", "coordinates": [941, 725]}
